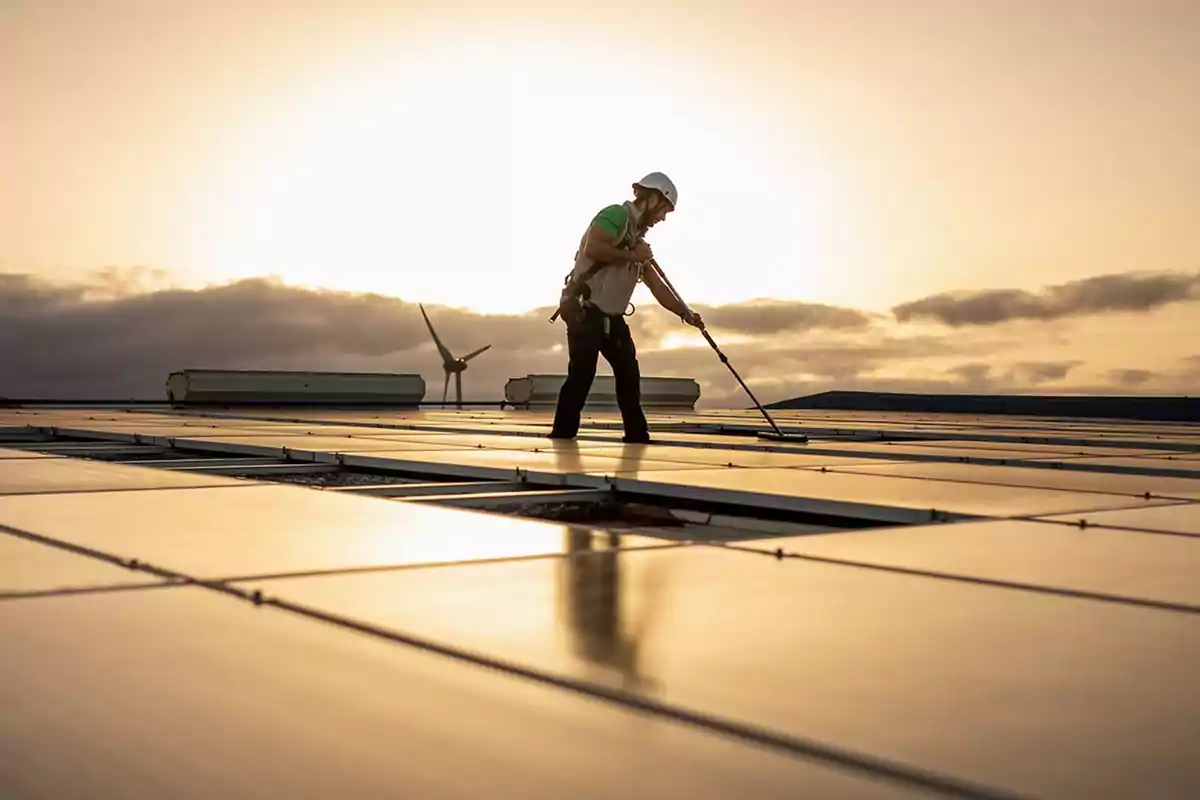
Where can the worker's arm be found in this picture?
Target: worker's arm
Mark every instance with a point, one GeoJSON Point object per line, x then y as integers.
{"type": "Point", "coordinates": [667, 298]}
{"type": "Point", "coordinates": [600, 247]}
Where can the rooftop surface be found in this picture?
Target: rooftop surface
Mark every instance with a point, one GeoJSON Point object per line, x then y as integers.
{"type": "Point", "coordinates": [371, 603]}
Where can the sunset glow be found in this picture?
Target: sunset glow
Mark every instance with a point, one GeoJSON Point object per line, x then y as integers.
{"type": "Point", "coordinates": [872, 195]}
{"type": "Point", "coordinates": [464, 175]}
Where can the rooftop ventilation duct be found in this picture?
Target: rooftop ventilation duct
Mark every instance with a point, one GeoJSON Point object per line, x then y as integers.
{"type": "Point", "coordinates": [541, 391]}
{"type": "Point", "coordinates": [281, 387]}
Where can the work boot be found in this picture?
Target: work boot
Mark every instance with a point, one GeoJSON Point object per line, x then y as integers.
{"type": "Point", "coordinates": [558, 435]}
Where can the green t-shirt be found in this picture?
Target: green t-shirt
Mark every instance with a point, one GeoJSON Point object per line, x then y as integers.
{"type": "Point", "coordinates": [612, 287]}
{"type": "Point", "coordinates": [613, 219]}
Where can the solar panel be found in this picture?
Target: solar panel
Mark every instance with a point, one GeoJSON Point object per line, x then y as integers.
{"type": "Point", "coordinates": [880, 497]}
{"type": "Point", "coordinates": [1005, 451]}
{"type": "Point", "coordinates": [939, 627]}
{"type": "Point", "coordinates": [28, 476]}
{"type": "Point", "coordinates": [190, 694]}
{"type": "Point", "coordinates": [299, 446]}
{"type": "Point", "coordinates": [1182, 518]}
{"type": "Point", "coordinates": [1115, 563]}
{"type": "Point", "coordinates": [1028, 450]}
{"type": "Point", "coordinates": [714, 457]}
{"type": "Point", "coordinates": [1041, 477]}
{"type": "Point", "coordinates": [487, 441]}
{"type": "Point", "coordinates": [29, 567]}
{"type": "Point", "coordinates": [265, 429]}
{"type": "Point", "coordinates": [502, 464]}
{"type": "Point", "coordinates": [1007, 688]}
{"type": "Point", "coordinates": [266, 530]}
{"type": "Point", "coordinates": [1143, 463]}
{"type": "Point", "coordinates": [9, 453]}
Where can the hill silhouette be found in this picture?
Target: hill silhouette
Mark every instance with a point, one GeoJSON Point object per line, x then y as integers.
{"type": "Point", "coordinates": [1177, 409]}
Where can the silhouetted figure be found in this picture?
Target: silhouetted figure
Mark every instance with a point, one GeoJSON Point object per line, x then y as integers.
{"type": "Point", "coordinates": [611, 261]}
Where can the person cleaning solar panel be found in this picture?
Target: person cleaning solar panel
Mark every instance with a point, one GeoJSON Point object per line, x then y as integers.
{"type": "Point", "coordinates": [609, 264]}
{"type": "Point", "coordinates": [613, 257]}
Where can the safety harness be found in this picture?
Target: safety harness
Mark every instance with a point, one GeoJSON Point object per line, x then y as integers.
{"type": "Point", "coordinates": [576, 293]}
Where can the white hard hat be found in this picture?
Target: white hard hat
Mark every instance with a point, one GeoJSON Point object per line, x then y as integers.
{"type": "Point", "coordinates": [660, 183]}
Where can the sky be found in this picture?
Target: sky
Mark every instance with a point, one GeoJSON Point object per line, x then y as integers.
{"type": "Point", "coordinates": [910, 195]}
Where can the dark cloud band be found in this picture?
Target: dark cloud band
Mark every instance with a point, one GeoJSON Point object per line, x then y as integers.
{"type": "Point", "coordinates": [1103, 293]}
{"type": "Point", "coordinates": [115, 337]}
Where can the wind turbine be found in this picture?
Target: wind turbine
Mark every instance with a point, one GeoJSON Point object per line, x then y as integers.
{"type": "Point", "coordinates": [450, 364]}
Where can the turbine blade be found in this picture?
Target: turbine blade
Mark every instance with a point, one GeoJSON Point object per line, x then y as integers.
{"type": "Point", "coordinates": [445, 353]}
{"type": "Point", "coordinates": [471, 355]}
{"type": "Point", "coordinates": [445, 387]}
{"type": "Point", "coordinates": [458, 388]}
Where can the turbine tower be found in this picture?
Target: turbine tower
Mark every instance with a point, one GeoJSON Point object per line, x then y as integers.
{"type": "Point", "coordinates": [450, 364]}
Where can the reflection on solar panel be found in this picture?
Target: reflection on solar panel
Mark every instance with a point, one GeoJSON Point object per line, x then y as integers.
{"type": "Point", "coordinates": [909, 605]}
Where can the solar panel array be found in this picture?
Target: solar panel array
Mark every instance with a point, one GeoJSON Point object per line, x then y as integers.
{"type": "Point", "coordinates": [1014, 613]}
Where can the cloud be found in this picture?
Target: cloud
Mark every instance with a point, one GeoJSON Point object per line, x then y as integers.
{"type": "Point", "coordinates": [1190, 374]}
{"type": "Point", "coordinates": [103, 338]}
{"type": "Point", "coordinates": [1182, 380]}
{"type": "Point", "coordinates": [762, 317]}
{"type": "Point", "coordinates": [971, 374]}
{"type": "Point", "coordinates": [116, 337]}
{"type": "Point", "coordinates": [984, 377]}
{"type": "Point", "coordinates": [1104, 293]}
{"type": "Point", "coordinates": [120, 335]}
{"type": "Point", "coordinates": [824, 357]}
{"type": "Point", "coordinates": [875, 361]}
{"type": "Point", "coordinates": [1035, 373]}
{"type": "Point", "coordinates": [1131, 377]}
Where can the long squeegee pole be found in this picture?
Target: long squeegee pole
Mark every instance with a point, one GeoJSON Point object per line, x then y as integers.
{"type": "Point", "coordinates": [720, 355]}
{"type": "Point", "coordinates": [725, 361]}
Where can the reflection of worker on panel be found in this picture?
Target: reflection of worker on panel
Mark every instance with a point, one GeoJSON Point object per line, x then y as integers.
{"type": "Point", "coordinates": [592, 606]}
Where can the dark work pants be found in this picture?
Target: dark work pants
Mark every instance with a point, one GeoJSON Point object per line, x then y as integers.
{"type": "Point", "coordinates": [586, 341]}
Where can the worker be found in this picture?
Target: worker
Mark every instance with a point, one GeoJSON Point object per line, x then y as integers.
{"type": "Point", "coordinates": [612, 259]}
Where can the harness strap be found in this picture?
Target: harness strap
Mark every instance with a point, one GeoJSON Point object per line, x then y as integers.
{"type": "Point", "coordinates": [629, 238]}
